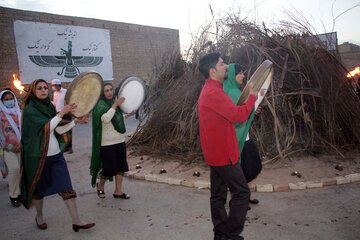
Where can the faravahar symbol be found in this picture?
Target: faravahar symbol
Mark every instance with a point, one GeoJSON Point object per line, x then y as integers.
{"type": "Point", "coordinates": [68, 62]}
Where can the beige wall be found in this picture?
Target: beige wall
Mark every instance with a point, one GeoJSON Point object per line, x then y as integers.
{"type": "Point", "coordinates": [350, 55]}
{"type": "Point", "coordinates": [134, 48]}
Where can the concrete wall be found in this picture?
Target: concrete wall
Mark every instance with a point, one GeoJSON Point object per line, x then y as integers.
{"type": "Point", "coordinates": [134, 48]}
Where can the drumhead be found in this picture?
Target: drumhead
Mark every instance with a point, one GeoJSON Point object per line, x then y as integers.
{"type": "Point", "coordinates": [261, 79]}
{"type": "Point", "coordinates": [132, 88]}
{"type": "Point", "coordinates": [85, 90]}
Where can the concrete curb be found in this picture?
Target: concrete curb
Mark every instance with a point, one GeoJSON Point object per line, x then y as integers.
{"type": "Point", "coordinates": [355, 177]}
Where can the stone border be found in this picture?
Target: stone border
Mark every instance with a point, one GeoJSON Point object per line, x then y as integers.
{"type": "Point", "coordinates": [355, 177]}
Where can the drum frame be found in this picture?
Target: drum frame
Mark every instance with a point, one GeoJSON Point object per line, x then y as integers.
{"type": "Point", "coordinates": [125, 81]}
{"type": "Point", "coordinates": [257, 80]}
{"type": "Point", "coordinates": [80, 78]}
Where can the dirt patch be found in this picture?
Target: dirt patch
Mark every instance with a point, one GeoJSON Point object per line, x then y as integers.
{"type": "Point", "coordinates": [278, 172]}
{"type": "Point", "coordinates": [174, 169]}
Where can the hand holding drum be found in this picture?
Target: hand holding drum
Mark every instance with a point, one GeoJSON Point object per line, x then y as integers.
{"type": "Point", "coordinates": [82, 120]}
{"type": "Point", "coordinates": [84, 91]}
{"type": "Point", "coordinates": [118, 102]}
{"type": "Point", "coordinates": [259, 81]}
{"type": "Point", "coordinates": [67, 108]}
{"type": "Point", "coordinates": [252, 91]}
{"type": "Point", "coordinates": [130, 114]}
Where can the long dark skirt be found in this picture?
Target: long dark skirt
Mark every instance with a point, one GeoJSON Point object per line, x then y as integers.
{"type": "Point", "coordinates": [55, 177]}
{"type": "Point", "coordinates": [113, 159]}
{"type": "Point", "coordinates": [250, 160]}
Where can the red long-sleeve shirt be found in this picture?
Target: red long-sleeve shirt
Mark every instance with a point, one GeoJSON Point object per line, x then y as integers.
{"type": "Point", "coordinates": [217, 115]}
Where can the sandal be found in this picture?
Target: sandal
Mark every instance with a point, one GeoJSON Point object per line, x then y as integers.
{"type": "Point", "coordinates": [123, 196]}
{"type": "Point", "coordinates": [100, 193]}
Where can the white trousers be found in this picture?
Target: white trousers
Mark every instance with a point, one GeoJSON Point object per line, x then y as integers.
{"type": "Point", "coordinates": [12, 161]}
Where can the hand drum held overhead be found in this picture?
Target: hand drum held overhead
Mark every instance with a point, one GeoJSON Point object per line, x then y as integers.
{"type": "Point", "coordinates": [85, 90]}
{"type": "Point", "coordinates": [132, 89]}
{"type": "Point", "coordinates": [261, 79]}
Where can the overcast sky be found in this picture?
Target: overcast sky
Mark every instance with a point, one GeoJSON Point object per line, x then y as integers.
{"type": "Point", "coordinates": [188, 15]}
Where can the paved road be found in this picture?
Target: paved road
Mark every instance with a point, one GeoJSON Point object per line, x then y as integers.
{"type": "Point", "coordinates": [159, 211]}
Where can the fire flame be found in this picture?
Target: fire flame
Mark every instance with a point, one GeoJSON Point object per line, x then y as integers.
{"type": "Point", "coordinates": [354, 72]}
{"type": "Point", "coordinates": [17, 84]}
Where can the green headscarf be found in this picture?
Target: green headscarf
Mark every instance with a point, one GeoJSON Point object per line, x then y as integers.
{"type": "Point", "coordinates": [36, 117]}
{"type": "Point", "coordinates": [232, 89]}
{"type": "Point", "coordinates": [117, 121]}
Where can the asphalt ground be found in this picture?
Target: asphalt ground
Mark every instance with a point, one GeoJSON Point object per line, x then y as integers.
{"type": "Point", "coordinates": [161, 211]}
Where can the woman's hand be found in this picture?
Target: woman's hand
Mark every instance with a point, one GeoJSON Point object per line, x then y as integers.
{"type": "Point", "coordinates": [258, 110]}
{"type": "Point", "coordinates": [83, 119]}
{"type": "Point", "coordinates": [67, 108]}
{"type": "Point", "coordinates": [130, 114]}
{"type": "Point", "coordinates": [252, 91]}
{"type": "Point", "coordinates": [16, 149]}
{"type": "Point", "coordinates": [118, 102]}
{"type": "Point", "coordinates": [262, 92]}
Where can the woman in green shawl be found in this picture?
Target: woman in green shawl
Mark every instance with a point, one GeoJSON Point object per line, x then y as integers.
{"type": "Point", "coordinates": [247, 148]}
{"type": "Point", "coordinates": [108, 157]}
{"type": "Point", "coordinates": [45, 170]}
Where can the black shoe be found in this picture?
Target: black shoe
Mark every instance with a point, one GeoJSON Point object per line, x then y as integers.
{"type": "Point", "coordinates": [239, 238]}
{"type": "Point", "coordinates": [217, 237]}
{"type": "Point", "coordinates": [254, 201]}
{"type": "Point", "coordinates": [42, 226]}
{"type": "Point", "coordinates": [236, 238]}
{"type": "Point", "coordinates": [86, 226]}
{"type": "Point", "coordinates": [248, 208]}
{"type": "Point", "coordinates": [15, 202]}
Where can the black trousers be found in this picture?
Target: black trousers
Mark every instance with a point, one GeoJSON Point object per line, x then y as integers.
{"type": "Point", "coordinates": [221, 178]}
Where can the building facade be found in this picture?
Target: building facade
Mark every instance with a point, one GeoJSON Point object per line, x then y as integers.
{"type": "Point", "coordinates": [134, 48]}
{"type": "Point", "coordinates": [350, 55]}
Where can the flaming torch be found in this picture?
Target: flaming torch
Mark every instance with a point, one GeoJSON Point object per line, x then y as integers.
{"type": "Point", "coordinates": [17, 84]}
{"type": "Point", "coordinates": [354, 72]}
{"type": "Point", "coordinates": [356, 80]}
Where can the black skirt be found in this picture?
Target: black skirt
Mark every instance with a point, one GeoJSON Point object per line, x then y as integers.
{"type": "Point", "coordinates": [250, 161]}
{"type": "Point", "coordinates": [113, 158]}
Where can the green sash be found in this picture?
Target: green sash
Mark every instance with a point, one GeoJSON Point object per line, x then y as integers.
{"type": "Point", "coordinates": [117, 121]}
{"type": "Point", "coordinates": [232, 89]}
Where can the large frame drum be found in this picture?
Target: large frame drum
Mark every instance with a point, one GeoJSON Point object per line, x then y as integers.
{"type": "Point", "coordinates": [85, 90]}
{"type": "Point", "coordinates": [261, 79]}
{"type": "Point", "coordinates": [132, 88]}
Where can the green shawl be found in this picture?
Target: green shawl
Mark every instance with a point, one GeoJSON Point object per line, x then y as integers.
{"type": "Point", "coordinates": [35, 141]}
{"type": "Point", "coordinates": [232, 89]}
{"type": "Point", "coordinates": [117, 121]}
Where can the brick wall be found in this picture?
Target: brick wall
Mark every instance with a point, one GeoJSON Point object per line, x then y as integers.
{"type": "Point", "coordinates": [134, 48]}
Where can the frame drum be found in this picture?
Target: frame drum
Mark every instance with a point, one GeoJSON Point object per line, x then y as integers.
{"type": "Point", "coordinates": [85, 90]}
{"type": "Point", "coordinates": [261, 79]}
{"type": "Point", "coordinates": [132, 89]}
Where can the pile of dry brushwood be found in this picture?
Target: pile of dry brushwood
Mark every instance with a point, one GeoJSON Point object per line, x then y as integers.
{"type": "Point", "coordinates": [310, 108]}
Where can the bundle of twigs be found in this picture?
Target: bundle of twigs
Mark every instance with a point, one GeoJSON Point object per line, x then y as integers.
{"type": "Point", "coordinates": [311, 105]}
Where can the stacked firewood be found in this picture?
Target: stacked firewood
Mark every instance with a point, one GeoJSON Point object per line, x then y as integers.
{"type": "Point", "coordinates": [310, 108]}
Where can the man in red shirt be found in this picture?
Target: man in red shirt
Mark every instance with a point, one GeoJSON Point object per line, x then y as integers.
{"type": "Point", "coordinates": [217, 115]}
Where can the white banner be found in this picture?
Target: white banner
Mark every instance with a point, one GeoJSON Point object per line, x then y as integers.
{"type": "Point", "coordinates": [51, 51]}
